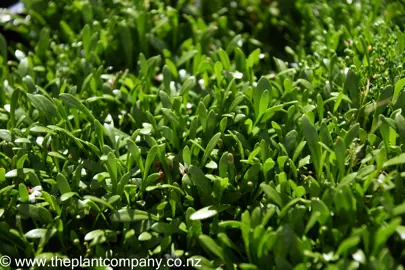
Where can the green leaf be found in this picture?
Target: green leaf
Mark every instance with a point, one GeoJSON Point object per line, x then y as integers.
{"type": "Point", "coordinates": [385, 232]}
{"type": "Point", "coordinates": [253, 58]}
{"type": "Point", "coordinates": [172, 67]}
{"type": "Point", "coordinates": [167, 78]}
{"type": "Point", "coordinates": [99, 129]}
{"type": "Point", "coordinates": [149, 160]}
{"type": "Point", "coordinates": [381, 105]}
{"type": "Point", "coordinates": [352, 87]}
{"type": "Point", "coordinates": [168, 113]}
{"type": "Point", "coordinates": [165, 228]}
{"type": "Point", "coordinates": [272, 194]}
{"type": "Point", "coordinates": [43, 43]}
{"type": "Point", "coordinates": [218, 72]}
{"type": "Point", "coordinates": [188, 85]}
{"type": "Point", "coordinates": [320, 213]}
{"type": "Point", "coordinates": [186, 57]}
{"type": "Point", "coordinates": [67, 31]}
{"type": "Point", "coordinates": [5, 135]}
{"type": "Point", "coordinates": [233, 44]}
{"type": "Point", "coordinates": [2, 175]}
{"type": "Point", "coordinates": [145, 236]}
{"type": "Point", "coordinates": [187, 155]}
{"type": "Point", "coordinates": [211, 146]}
{"type": "Point", "coordinates": [262, 85]}
{"type": "Point", "coordinates": [24, 67]}
{"type": "Point", "coordinates": [352, 134]}
{"type": "Point", "coordinates": [51, 200]}
{"type": "Point", "coordinates": [36, 233]}
{"type": "Point", "coordinates": [164, 97]}
{"type": "Point", "coordinates": [306, 84]}
{"type": "Point", "coordinates": [75, 103]}
{"type": "Point", "coordinates": [340, 152]}
{"type": "Point", "coordinates": [399, 210]}
{"type": "Point", "coordinates": [224, 59]}
{"type": "Point", "coordinates": [125, 35]}
{"type": "Point", "coordinates": [67, 196]}
{"type": "Point", "coordinates": [112, 167]}
{"type": "Point", "coordinates": [398, 87]}
{"type": "Point", "coordinates": [38, 213]}
{"type": "Point", "coordinates": [23, 192]}
{"type": "Point", "coordinates": [202, 183]}
{"type": "Point", "coordinates": [347, 179]}
{"type": "Point", "coordinates": [94, 234]}
{"type": "Point", "coordinates": [63, 184]}
{"type": "Point", "coordinates": [15, 96]}
{"type": "Point", "coordinates": [211, 245]}
{"type": "Point", "coordinates": [311, 136]}
{"type": "Point", "coordinates": [270, 112]}
{"type": "Point", "coordinates": [135, 154]}
{"type": "Point", "coordinates": [264, 103]}
{"type": "Point", "coordinates": [347, 244]}
{"type": "Point", "coordinates": [398, 160]}
{"type": "Point", "coordinates": [236, 102]}
{"type": "Point", "coordinates": [98, 200]}
{"type": "Point", "coordinates": [3, 48]}
{"type": "Point", "coordinates": [131, 215]}
{"type": "Point", "coordinates": [207, 212]}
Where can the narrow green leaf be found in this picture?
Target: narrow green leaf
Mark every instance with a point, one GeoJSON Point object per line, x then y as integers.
{"type": "Point", "coordinates": [202, 183]}
{"type": "Point", "coordinates": [186, 57]}
{"type": "Point", "coordinates": [272, 194]}
{"type": "Point", "coordinates": [224, 59]}
{"type": "Point", "coordinates": [398, 87]}
{"type": "Point", "coordinates": [210, 245]}
{"type": "Point", "coordinates": [23, 192]}
{"type": "Point", "coordinates": [63, 184]}
{"type": "Point", "coordinates": [131, 215]}
{"type": "Point", "coordinates": [211, 146]}
{"type": "Point", "coordinates": [352, 88]}
{"type": "Point", "coordinates": [75, 103]}
{"type": "Point", "coordinates": [348, 244]}
{"type": "Point", "coordinates": [340, 152]}
{"type": "Point", "coordinates": [398, 160]}
{"type": "Point", "coordinates": [311, 136]}
{"type": "Point", "coordinates": [149, 160]}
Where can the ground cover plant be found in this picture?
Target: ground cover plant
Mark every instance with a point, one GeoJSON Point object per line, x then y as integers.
{"type": "Point", "coordinates": [248, 134]}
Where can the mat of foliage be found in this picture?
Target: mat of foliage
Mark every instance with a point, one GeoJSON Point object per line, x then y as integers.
{"type": "Point", "coordinates": [249, 134]}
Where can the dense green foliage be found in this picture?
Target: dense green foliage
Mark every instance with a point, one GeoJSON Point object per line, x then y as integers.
{"type": "Point", "coordinates": [251, 134]}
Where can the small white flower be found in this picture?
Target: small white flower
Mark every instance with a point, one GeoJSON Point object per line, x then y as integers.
{"type": "Point", "coordinates": [35, 192]}
{"type": "Point", "coordinates": [159, 77]}
{"type": "Point", "coordinates": [39, 140]}
{"type": "Point", "coordinates": [237, 75]}
{"type": "Point", "coordinates": [109, 120]}
{"type": "Point", "coordinates": [183, 168]}
{"type": "Point", "coordinates": [32, 198]}
{"type": "Point", "coordinates": [173, 88]}
{"type": "Point", "coordinates": [36, 188]}
{"type": "Point", "coordinates": [182, 74]}
{"type": "Point", "coordinates": [201, 83]}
